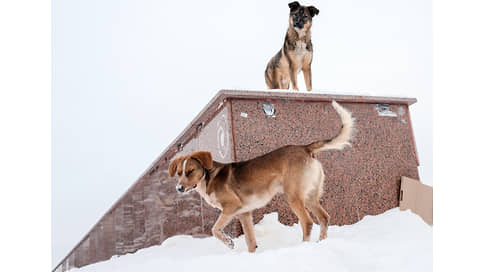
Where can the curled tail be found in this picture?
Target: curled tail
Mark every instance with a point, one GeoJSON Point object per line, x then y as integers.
{"type": "Point", "coordinates": [344, 136]}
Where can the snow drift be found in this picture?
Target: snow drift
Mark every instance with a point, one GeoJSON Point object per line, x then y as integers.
{"type": "Point", "coordinates": [392, 241]}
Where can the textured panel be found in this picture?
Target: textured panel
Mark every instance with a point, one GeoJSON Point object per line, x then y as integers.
{"type": "Point", "coordinates": [216, 137]}
{"type": "Point", "coordinates": [361, 180]}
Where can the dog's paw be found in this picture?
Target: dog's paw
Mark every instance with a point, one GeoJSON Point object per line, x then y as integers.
{"type": "Point", "coordinates": [230, 243]}
{"type": "Point", "coordinates": [252, 249]}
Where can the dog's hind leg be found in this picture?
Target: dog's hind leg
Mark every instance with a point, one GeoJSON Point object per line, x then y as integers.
{"type": "Point", "coordinates": [312, 203]}
{"type": "Point", "coordinates": [248, 227]}
{"type": "Point", "coordinates": [267, 76]}
{"type": "Point", "coordinates": [322, 216]}
{"type": "Point", "coordinates": [297, 205]}
{"type": "Point", "coordinates": [284, 79]}
{"type": "Point", "coordinates": [276, 79]}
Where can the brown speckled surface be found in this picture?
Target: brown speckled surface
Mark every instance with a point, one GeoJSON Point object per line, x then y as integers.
{"type": "Point", "coordinates": [361, 180]}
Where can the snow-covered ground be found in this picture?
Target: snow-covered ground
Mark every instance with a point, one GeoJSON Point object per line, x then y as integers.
{"type": "Point", "coordinates": [392, 241]}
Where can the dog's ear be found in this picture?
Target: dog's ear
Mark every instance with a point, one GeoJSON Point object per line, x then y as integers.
{"type": "Point", "coordinates": [313, 11]}
{"type": "Point", "coordinates": [173, 166]}
{"type": "Point", "coordinates": [293, 5]}
{"type": "Point", "coordinates": [204, 158]}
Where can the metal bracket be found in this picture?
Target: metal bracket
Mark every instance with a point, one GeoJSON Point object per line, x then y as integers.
{"type": "Point", "coordinates": [269, 109]}
{"type": "Point", "coordinates": [384, 110]}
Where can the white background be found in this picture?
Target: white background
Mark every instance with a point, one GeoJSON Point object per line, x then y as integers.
{"type": "Point", "coordinates": [128, 76]}
{"type": "Point", "coordinates": [26, 140]}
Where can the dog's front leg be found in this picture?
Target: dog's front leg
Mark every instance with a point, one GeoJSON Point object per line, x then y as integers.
{"type": "Point", "coordinates": [307, 78]}
{"type": "Point", "coordinates": [248, 227]}
{"type": "Point", "coordinates": [306, 67]}
{"type": "Point", "coordinates": [217, 229]}
{"type": "Point", "coordinates": [293, 75]}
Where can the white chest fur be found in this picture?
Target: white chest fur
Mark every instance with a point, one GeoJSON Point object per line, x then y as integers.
{"type": "Point", "coordinates": [210, 199]}
{"type": "Point", "coordinates": [301, 49]}
{"type": "Point", "coordinates": [299, 53]}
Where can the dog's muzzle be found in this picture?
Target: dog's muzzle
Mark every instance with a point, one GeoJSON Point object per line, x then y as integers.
{"type": "Point", "coordinates": [181, 189]}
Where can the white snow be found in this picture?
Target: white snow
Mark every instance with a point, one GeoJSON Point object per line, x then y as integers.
{"type": "Point", "coordinates": [392, 241]}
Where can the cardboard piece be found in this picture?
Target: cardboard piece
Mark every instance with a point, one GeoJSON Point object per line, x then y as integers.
{"type": "Point", "coordinates": [417, 197]}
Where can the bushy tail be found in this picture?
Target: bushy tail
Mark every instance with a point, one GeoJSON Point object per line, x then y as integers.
{"type": "Point", "coordinates": [344, 136]}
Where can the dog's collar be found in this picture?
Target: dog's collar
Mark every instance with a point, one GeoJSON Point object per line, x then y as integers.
{"type": "Point", "coordinates": [206, 175]}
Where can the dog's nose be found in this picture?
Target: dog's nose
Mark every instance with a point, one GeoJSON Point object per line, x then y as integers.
{"type": "Point", "coordinates": [180, 188]}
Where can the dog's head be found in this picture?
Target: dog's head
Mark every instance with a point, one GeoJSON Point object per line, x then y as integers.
{"type": "Point", "coordinates": [301, 17]}
{"type": "Point", "coordinates": [190, 169]}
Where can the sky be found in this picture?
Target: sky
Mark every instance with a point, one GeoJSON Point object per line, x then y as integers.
{"type": "Point", "coordinates": [128, 76]}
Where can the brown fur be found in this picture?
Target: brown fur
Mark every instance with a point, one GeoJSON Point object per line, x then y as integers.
{"type": "Point", "coordinates": [240, 187]}
{"type": "Point", "coordinates": [296, 53]}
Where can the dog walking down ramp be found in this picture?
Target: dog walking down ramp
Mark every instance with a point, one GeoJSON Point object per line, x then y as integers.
{"type": "Point", "coordinates": [239, 125]}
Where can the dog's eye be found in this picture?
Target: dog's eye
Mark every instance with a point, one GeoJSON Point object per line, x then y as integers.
{"type": "Point", "coordinates": [189, 172]}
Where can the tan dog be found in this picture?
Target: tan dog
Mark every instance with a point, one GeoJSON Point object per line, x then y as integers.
{"type": "Point", "coordinates": [238, 188]}
{"type": "Point", "coordinates": [296, 53]}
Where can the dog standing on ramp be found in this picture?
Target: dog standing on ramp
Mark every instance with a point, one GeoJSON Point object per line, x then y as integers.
{"type": "Point", "coordinates": [296, 53]}
{"type": "Point", "coordinates": [240, 187]}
